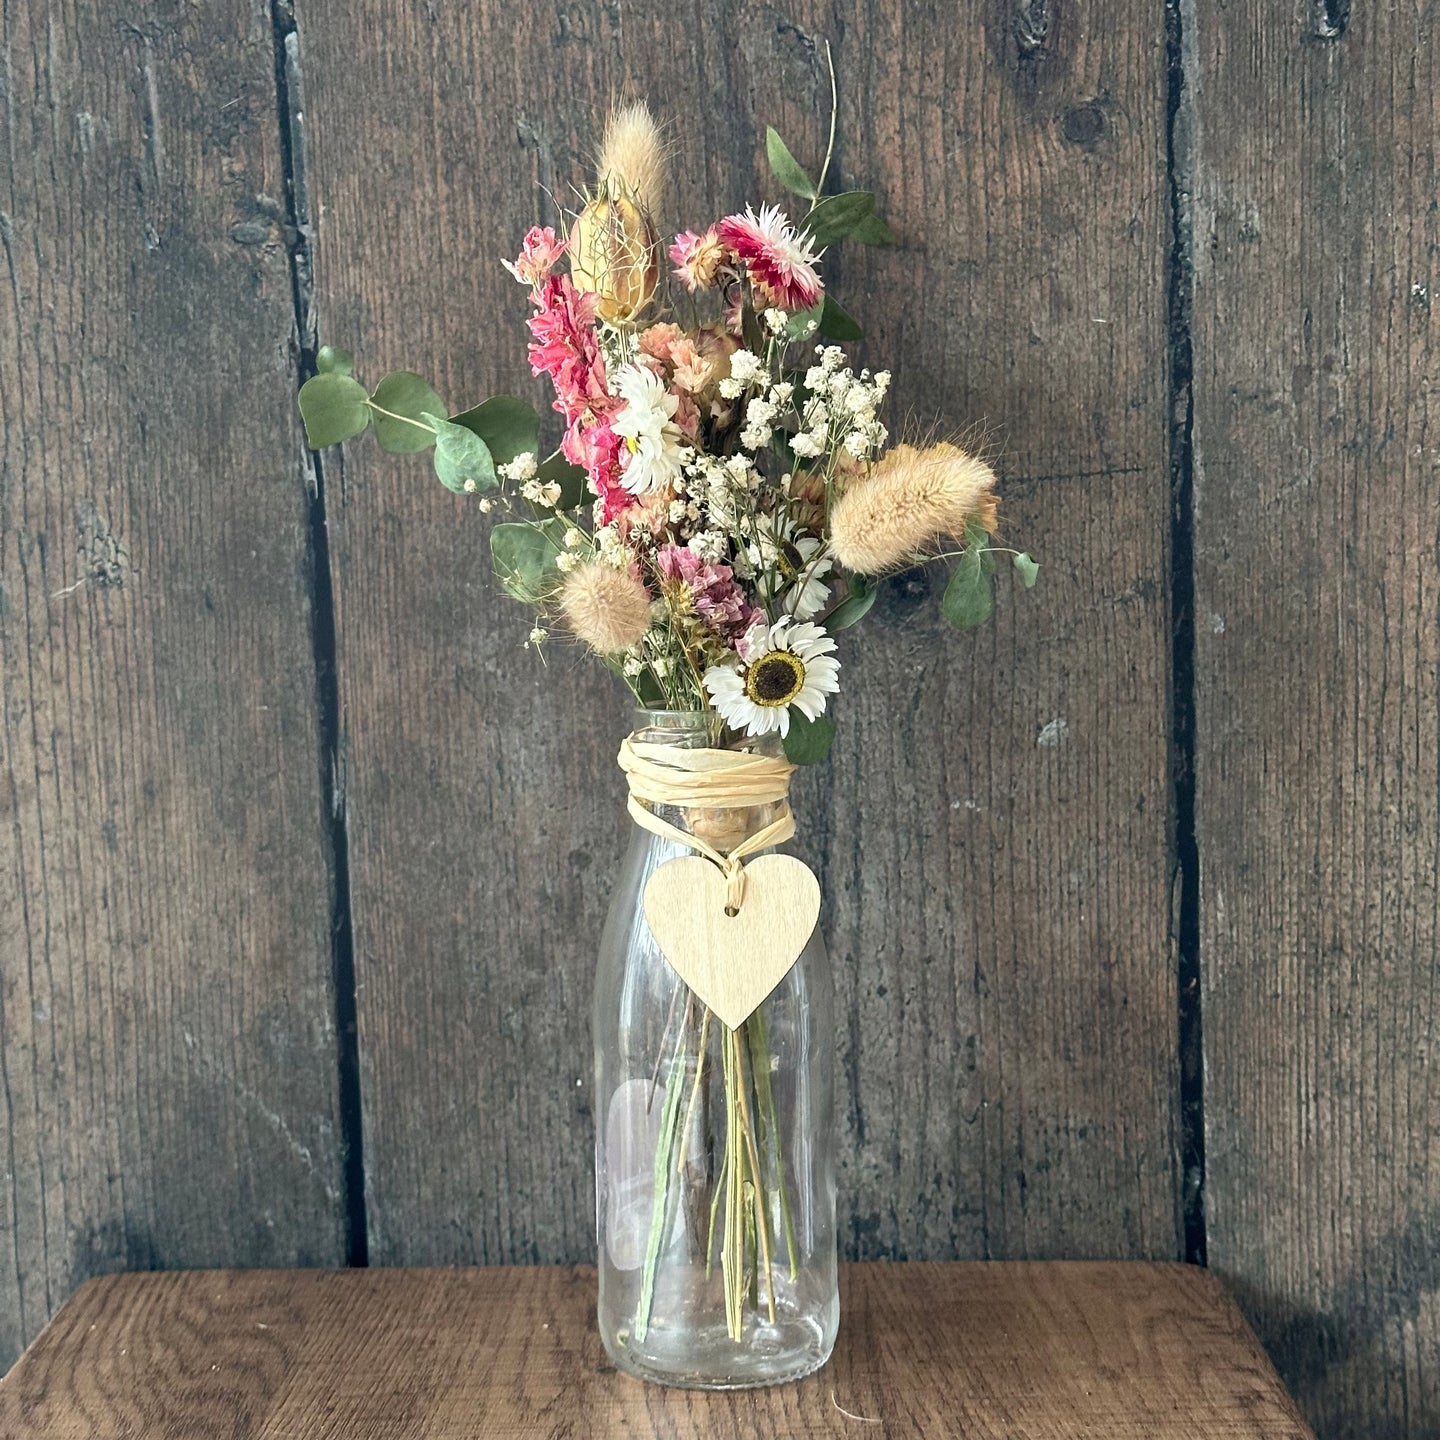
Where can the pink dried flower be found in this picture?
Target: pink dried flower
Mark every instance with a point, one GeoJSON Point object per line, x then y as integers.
{"type": "Point", "coordinates": [598, 449]}
{"type": "Point", "coordinates": [719, 601]}
{"type": "Point", "coordinates": [565, 347]}
{"type": "Point", "coordinates": [657, 341]}
{"type": "Point", "coordinates": [538, 253]}
{"type": "Point", "coordinates": [781, 263]}
{"type": "Point", "coordinates": [698, 258]}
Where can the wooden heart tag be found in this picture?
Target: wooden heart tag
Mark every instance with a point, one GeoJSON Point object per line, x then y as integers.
{"type": "Point", "coordinates": [732, 962]}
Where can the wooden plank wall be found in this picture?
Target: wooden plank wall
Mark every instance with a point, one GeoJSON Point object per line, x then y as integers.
{"type": "Point", "coordinates": [1315, 166]}
{"type": "Point", "coordinates": [1176, 262]}
{"type": "Point", "coordinates": [168, 1079]}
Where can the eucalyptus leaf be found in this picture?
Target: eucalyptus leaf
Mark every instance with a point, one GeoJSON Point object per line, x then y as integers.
{"type": "Point", "coordinates": [557, 470]}
{"type": "Point", "coordinates": [804, 323]}
{"type": "Point", "coordinates": [333, 408]}
{"type": "Point", "coordinates": [807, 742]}
{"type": "Point", "coordinates": [837, 216]}
{"type": "Point", "coordinates": [872, 230]}
{"type": "Point", "coordinates": [508, 426]}
{"type": "Point", "coordinates": [969, 598]}
{"type": "Point", "coordinates": [331, 360]}
{"type": "Point", "coordinates": [524, 556]}
{"type": "Point", "coordinates": [462, 459]}
{"type": "Point", "coordinates": [404, 394]}
{"type": "Point", "coordinates": [1028, 569]}
{"type": "Point", "coordinates": [854, 607]}
{"type": "Point", "coordinates": [836, 323]}
{"type": "Point", "coordinates": [788, 170]}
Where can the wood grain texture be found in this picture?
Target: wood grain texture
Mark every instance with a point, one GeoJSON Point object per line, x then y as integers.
{"type": "Point", "coordinates": [167, 1072]}
{"type": "Point", "coordinates": [988, 1352]}
{"type": "Point", "coordinates": [1315, 169]}
{"type": "Point", "coordinates": [991, 834]}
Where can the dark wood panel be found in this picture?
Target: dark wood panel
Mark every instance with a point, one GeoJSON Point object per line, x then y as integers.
{"type": "Point", "coordinates": [1053, 1352]}
{"type": "Point", "coordinates": [992, 830]}
{"type": "Point", "coordinates": [167, 1055]}
{"type": "Point", "coordinates": [1316, 503]}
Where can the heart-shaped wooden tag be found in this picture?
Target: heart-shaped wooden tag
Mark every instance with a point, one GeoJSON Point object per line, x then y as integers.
{"type": "Point", "coordinates": [732, 962]}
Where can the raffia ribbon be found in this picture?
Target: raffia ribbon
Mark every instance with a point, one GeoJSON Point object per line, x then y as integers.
{"type": "Point", "coordinates": [709, 780]}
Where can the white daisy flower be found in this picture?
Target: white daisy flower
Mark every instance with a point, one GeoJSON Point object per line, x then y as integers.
{"type": "Point", "coordinates": [788, 663]}
{"type": "Point", "coordinates": [647, 424]}
{"type": "Point", "coordinates": [799, 561]}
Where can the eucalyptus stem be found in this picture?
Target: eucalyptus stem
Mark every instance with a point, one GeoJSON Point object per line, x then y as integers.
{"type": "Point", "coordinates": [391, 415]}
{"type": "Point", "coordinates": [830, 144]}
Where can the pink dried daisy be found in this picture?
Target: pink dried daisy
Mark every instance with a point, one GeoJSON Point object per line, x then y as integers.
{"type": "Point", "coordinates": [698, 258]}
{"type": "Point", "coordinates": [780, 261]}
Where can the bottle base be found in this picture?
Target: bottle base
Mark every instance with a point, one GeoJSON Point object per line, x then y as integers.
{"type": "Point", "coordinates": [710, 1360]}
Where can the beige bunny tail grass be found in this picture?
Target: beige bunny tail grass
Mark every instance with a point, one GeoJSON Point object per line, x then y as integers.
{"type": "Point", "coordinates": [608, 609]}
{"type": "Point", "coordinates": [633, 152]}
{"type": "Point", "coordinates": [910, 498]}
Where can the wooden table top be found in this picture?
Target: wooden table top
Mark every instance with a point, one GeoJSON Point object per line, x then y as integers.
{"type": "Point", "coordinates": [1042, 1351]}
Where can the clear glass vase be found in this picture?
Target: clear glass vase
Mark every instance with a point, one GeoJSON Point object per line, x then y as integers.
{"type": "Point", "coordinates": [715, 1148]}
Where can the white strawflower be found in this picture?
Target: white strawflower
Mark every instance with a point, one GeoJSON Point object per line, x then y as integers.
{"type": "Point", "coordinates": [647, 423]}
{"type": "Point", "coordinates": [788, 663]}
{"type": "Point", "coordinates": [799, 557]}
{"type": "Point", "coordinates": [805, 445]}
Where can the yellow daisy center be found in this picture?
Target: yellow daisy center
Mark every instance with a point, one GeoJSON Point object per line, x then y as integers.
{"type": "Point", "coordinates": [775, 679]}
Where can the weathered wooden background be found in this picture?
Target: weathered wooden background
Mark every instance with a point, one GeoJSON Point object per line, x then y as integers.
{"type": "Point", "coordinates": [1132, 896]}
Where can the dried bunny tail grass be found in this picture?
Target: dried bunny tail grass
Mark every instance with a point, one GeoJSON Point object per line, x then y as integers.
{"type": "Point", "coordinates": [633, 152]}
{"type": "Point", "coordinates": [910, 498]}
{"type": "Point", "coordinates": [608, 609]}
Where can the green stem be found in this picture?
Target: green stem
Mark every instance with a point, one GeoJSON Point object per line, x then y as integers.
{"type": "Point", "coordinates": [762, 1214]}
{"type": "Point", "coordinates": [660, 1209]}
{"type": "Point", "coordinates": [830, 146]}
{"type": "Point", "coordinates": [688, 1123]}
{"type": "Point", "coordinates": [770, 1121]}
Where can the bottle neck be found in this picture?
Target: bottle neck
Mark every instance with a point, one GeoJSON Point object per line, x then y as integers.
{"type": "Point", "coordinates": [724, 827]}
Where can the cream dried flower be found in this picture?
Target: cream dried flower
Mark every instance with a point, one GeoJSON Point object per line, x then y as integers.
{"type": "Point", "coordinates": [608, 609]}
{"type": "Point", "coordinates": [909, 499]}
